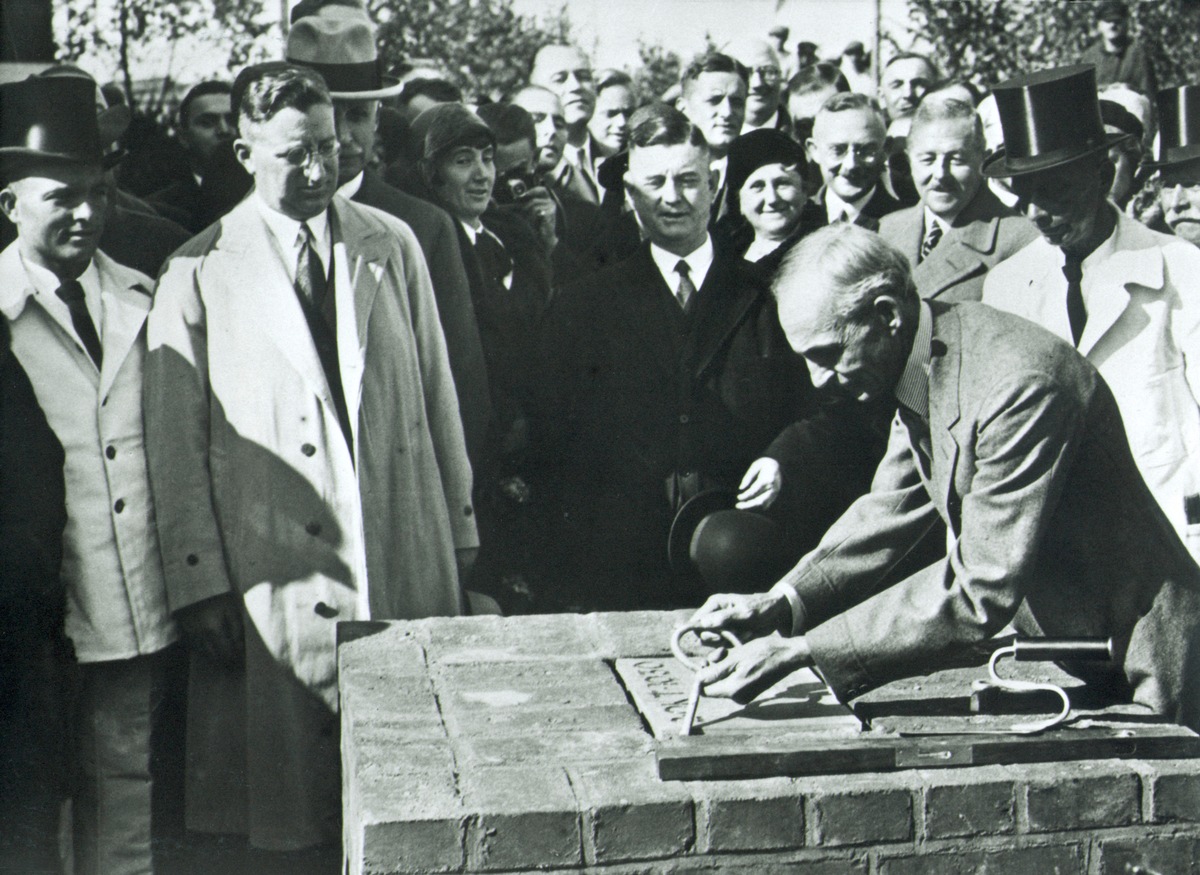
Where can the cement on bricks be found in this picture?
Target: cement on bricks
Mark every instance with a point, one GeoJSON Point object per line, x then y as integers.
{"type": "Point", "coordinates": [969, 802]}
{"type": "Point", "coordinates": [1166, 854]}
{"type": "Point", "coordinates": [524, 818]}
{"type": "Point", "coordinates": [1174, 791]}
{"type": "Point", "coordinates": [1032, 860]}
{"type": "Point", "coordinates": [761, 815]}
{"type": "Point", "coordinates": [628, 814]}
{"type": "Point", "coordinates": [1083, 795]}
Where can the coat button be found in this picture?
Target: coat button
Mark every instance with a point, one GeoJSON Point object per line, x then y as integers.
{"type": "Point", "coordinates": [323, 610]}
{"type": "Point", "coordinates": [468, 510]}
{"type": "Point", "coordinates": [110, 452]}
{"type": "Point", "coordinates": [308, 449]}
{"type": "Point", "coordinates": [313, 529]}
{"type": "Point", "coordinates": [684, 418]}
{"type": "Point", "coordinates": [192, 559]}
{"type": "Point", "coordinates": [119, 505]}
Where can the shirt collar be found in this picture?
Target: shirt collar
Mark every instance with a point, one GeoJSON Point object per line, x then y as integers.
{"type": "Point", "coordinates": [932, 218]}
{"type": "Point", "coordinates": [913, 389]}
{"type": "Point", "coordinates": [835, 207]}
{"type": "Point", "coordinates": [43, 283]}
{"type": "Point", "coordinates": [720, 165]}
{"type": "Point", "coordinates": [699, 260]}
{"type": "Point", "coordinates": [286, 230]}
{"type": "Point", "coordinates": [350, 189]}
{"type": "Point", "coordinates": [770, 124]}
{"type": "Point", "coordinates": [1105, 250]}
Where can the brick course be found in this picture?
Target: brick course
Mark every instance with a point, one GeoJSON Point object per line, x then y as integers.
{"type": "Point", "coordinates": [508, 745]}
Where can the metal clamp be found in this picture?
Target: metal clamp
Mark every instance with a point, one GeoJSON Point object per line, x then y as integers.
{"type": "Point", "coordinates": [1014, 686]}
{"type": "Point", "coordinates": [697, 686]}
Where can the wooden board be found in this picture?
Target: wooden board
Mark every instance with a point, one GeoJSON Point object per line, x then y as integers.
{"type": "Point", "coordinates": [800, 703]}
{"type": "Point", "coordinates": [734, 756]}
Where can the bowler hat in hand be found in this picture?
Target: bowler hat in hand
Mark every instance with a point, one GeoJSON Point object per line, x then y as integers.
{"type": "Point", "coordinates": [50, 117]}
{"type": "Point", "coordinates": [1178, 126]}
{"type": "Point", "coordinates": [728, 550]}
{"type": "Point", "coordinates": [1049, 118]}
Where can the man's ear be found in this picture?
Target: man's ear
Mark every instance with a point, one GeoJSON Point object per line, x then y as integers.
{"type": "Point", "coordinates": [241, 151]}
{"type": "Point", "coordinates": [8, 203]}
{"type": "Point", "coordinates": [887, 311]}
{"type": "Point", "coordinates": [1107, 171]}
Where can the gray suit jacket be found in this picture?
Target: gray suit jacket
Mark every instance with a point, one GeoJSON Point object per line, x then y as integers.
{"type": "Point", "coordinates": [985, 233]}
{"type": "Point", "coordinates": [1050, 527]}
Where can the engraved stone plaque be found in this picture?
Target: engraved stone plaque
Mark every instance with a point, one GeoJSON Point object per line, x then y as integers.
{"type": "Point", "coordinates": [799, 703]}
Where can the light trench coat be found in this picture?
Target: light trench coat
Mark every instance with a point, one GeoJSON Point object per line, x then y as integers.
{"type": "Point", "coordinates": [258, 494]}
{"type": "Point", "coordinates": [1142, 292]}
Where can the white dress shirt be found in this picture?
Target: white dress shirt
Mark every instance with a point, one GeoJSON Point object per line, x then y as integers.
{"type": "Point", "coordinates": [699, 260]}
{"type": "Point", "coordinates": [836, 208]}
{"type": "Point", "coordinates": [286, 232]}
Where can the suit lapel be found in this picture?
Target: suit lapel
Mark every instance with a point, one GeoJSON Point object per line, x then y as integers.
{"type": "Point", "coordinates": [721, 306]}
{"type": "Point", "coordinates": [125, 309]}
{"type": "Point", "coordinates": [269, 302]}
{"type": "Point", "coordinates": [646, 312]}
{"type": "Point", "coordinates": [944, 405]}
{"type": "Point", "coordinates": [1108, 297]}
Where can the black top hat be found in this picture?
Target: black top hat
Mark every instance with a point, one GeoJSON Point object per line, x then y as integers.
{"type": "Point", "coordinates": [50, 117]}
{"type": "Point", "coordinates": [1178, 125]}
{"type": "Point", "coordinates": [727, 550]}
{"type": "Point", "coordinates": [1049, 118]}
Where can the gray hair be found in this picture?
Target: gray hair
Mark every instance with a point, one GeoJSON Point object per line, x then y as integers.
{"type": "Point", "coordinates": [857, 264]}
{"type": "Point", "coordinates": [938, 106]}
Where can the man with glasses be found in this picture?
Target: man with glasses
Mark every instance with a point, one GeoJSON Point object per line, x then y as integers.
{"type": "Point", "coordinates": [307, 457]}
{"type": "Point", "coordinates": [847, 143]}
{"type": "Point", "coordinates": [764, 98]}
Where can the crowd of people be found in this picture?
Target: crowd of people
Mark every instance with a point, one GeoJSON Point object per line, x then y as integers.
{"type": "Point", "coordinates": [363, 350]}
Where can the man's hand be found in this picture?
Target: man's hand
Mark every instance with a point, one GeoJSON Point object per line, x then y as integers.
{"type": "Point", "coordinates": [745, 672]}
{"type": "Point", "coordinates": [213, 628]}
{"type": "Point", "coordinates": [541, 212]}
{"type": "Point", "coordinates": [760, 487]}
{"type": "Point", "coordinates": [746, 616]}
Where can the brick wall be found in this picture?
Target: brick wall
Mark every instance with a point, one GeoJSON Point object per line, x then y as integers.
{"type": "Point", "coordinates": [508, 745]}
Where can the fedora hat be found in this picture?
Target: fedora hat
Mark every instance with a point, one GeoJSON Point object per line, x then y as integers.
{"type": "Point", "coordinates": [1178, 126]}
{"type": "Point", "coordinates": [50, 117]}
{"type": "Point", "coordinates": [339, 43]}
{"type": "Point", "coordinates": [723, 549]}
{"type": "Point", "coordinates": [1049, 118]}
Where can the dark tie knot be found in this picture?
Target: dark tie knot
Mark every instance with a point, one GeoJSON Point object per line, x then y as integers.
{"type": "Point", "coordinates": [70, 292]}
{"type": "Point", "coordinates": [1073, 269]}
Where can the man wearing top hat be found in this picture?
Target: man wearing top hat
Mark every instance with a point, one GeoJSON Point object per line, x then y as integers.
{"type": "Point", "coordinates": [338, 41]}
{"type": "Point", "coordinates": [308, 460]}
{"type": "Point", "coordinates": [1126, 297]}
{"type": "Point", "coordinates": [1179, 161]}
{"type": "Point", "coordinates": [959, 230]}
{"type": "Point", "coordinates": [77, 322]}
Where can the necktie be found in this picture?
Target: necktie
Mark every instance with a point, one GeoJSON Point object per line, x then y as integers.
{"type": "Point", "coordinates": [932, 239]}
{"type": "Point", "coordinates": [1076, 312]}
{"type": "Point", "coordinates": [686, 288]}
{"type": "Point", "coordinates": [581, 163]}
{"type": "Point", "coordinates": [494, 260]}
{"type": "Point", "coordinates": [71, 294]}
{"type": "Point", "coordinates": [310, 273]}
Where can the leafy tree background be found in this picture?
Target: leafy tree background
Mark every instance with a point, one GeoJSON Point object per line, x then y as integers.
{"type": "Point", "coordinates": [987, 41]}
{"type": "Point", "coordinates": [659, 70]}
{"type": "Point", "coordinates": [483, 46]}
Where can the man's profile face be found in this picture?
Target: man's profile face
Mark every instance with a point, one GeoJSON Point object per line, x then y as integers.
{"type": "Point", "coordinates": [1064, 202]}
{"type": "Point", "coordinates": [904, 83]}
{"type": "Point", "coordinates": [355, 121]}
{"type": "Point", "coordinates": [293, 157]}
{"type": "Point", "coordinates": [1179, 197]}
{"type": "Point", "coordinates": [946, 156]}
{"type": "Point", "coordinates": [209, 124]}
{"type": "Point", "coordinates": [855, 361]}
{"type": "Point", "coordinates": [464, 180]}
{"type": "Point", "coordinates": [716, 104]}
{"type": "Point", "coordinates": [568, 73]}
{"type": "Point", "coordinates": [549, 124]}
{"type": "Point", "coordinates": [58, 209]}
{"type": "Point", "coordinates": [1114, 31]}
{"type": "Point", "coordinates": [848, 147]}
{"type": "Point", "coordinates": [672, 190]}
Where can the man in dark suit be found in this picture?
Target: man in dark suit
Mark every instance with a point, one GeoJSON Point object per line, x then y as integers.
{"type": "Point", "coordinates": [1012, 439]}
{"type": "Point", "coordinates": [847, 143]}
{"type": "Point", "coordinates": [338, 42]}
{"type": "Point", "coordinates": [959, 230]}
{"type": "Point", "coordinates": [205, 124]}
{"type": "Point", "coordinates": [713, 92]}
{"type": "Point", "coordinates": [661, 376]}
{"type": "Point", "coordinates": [764, 97]}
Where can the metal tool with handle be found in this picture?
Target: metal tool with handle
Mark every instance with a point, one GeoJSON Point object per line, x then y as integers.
{"type": "Point", "coordinates": [689, 717]}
